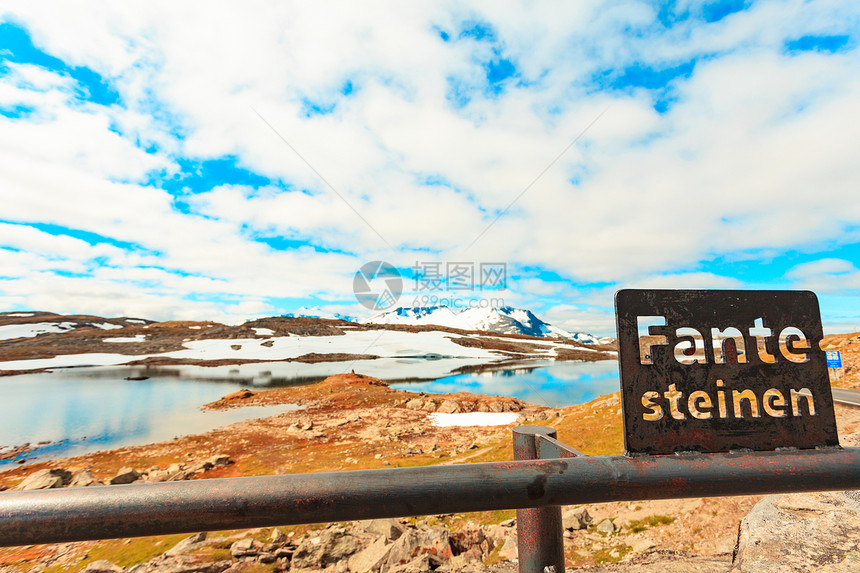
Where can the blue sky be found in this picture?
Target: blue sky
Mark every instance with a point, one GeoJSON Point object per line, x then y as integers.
{"type": "Point", "coordinates": [249, 164]}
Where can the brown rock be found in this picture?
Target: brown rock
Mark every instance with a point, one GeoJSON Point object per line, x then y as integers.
{"type": "Point", "coordinates": [239, 395]}
{"type": "Point", "coordinates": [390, 529]}
{"type": "Point", "coordinates": [575, 518]}
{"type": "Point", "coordinates": [449, 407]}
{"type": "Point", "coordinates": [83, 478]}
{"type": "Point", "coordinates": [44, 479]}
{"type": "Point", "coordinates": [371, 558]}
{"type": "Point", "coordinates": [187, 544]}
{"type": "Point", "coordinates": [433, 541]}
{"type": "Point", "coordinates": [247, 547]}
{"type": "Point", "coordinates": [800, 532]}
{"type": "Point", "coordinates": [420, 564]}
{"type": "Point", "coordinates": [469, 540]}
{"type": "Point", "coordinates": [125, 475]}
{"type": "Point", "coordinates": [332, 546]}
{"type": "Point", "coordinates": [220, 460]}
{"type": "Point", "coordinates": [103, 566]}
{"type": "Point", "coordinates": [182, 564]}
{"type": "Point", "coordinates": [509, 550]}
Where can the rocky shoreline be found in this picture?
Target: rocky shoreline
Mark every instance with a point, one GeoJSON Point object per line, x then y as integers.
{"type": "Point", "coordinates": [357, 422]}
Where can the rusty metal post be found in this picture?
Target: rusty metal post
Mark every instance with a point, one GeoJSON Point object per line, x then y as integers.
{"type": "Point", "coordinates": [539, 532]}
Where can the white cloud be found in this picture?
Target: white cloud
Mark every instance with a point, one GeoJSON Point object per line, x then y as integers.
{"type": "Point", "coordinates": [831, 276]}
{"type": "Point", "coordinates": [755, 154]}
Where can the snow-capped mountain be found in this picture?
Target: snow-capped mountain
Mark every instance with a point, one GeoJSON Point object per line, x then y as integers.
{"type": "Point", "coordinates": [317, 312]}
{"type": "Point", "coordinates": [506, 320]}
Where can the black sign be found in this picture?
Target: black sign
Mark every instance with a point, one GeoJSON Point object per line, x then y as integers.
{"type": "Point", "coordinates": [714, 371]}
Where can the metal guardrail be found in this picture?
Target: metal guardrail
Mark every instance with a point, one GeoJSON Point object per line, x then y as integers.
{"type": "Point", "coordinates": [101, 512]}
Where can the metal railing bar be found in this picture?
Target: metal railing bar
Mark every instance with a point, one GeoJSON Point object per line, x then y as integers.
{"type": "Point", "coordinates": [102, 512]}
{"type": "Point", "coordinates": [548, 448]}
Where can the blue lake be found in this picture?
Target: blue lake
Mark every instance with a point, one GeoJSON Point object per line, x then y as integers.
{"type": "Point", "coordinates": [80, 410]}
{"type": "Point", "coordinates": [555, 384]}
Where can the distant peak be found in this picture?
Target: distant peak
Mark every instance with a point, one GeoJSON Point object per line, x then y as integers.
{"type": "Point", "coordinates": [505, 319]}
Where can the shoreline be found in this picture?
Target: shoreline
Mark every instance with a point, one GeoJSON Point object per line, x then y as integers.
{"type": "Point", "coordinates": [351, 421]}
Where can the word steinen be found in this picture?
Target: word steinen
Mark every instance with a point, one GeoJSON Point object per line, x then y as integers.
{"type": "Point", "coordinates": [691, 349]}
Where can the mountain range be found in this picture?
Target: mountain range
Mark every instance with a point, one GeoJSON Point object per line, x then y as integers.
{"type": "Point", "coordinates": [504, 320]}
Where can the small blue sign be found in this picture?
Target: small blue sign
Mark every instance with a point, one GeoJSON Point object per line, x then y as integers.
{"type": "Point", "coordinates": [834, 358]}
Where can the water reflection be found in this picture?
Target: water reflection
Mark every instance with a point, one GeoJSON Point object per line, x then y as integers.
{"type": "Point", "coordinates": [556, 384]}
{"type": "Point", "coordinates": [81, 410]}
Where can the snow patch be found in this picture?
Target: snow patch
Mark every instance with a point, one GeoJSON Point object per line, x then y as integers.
{"type": "Point", "coordinates": [107, 326]}
{"type": "Point", "coordinates": [135, 321]}
{"type": "Point", "coordinates": [135, 338]}
{"type": "Point", "coordinates": [263, 331]}
{"type": "Point", "coordinates": [474, 419]}
{"type": "Point", "coordinates": [21, 314]}
{"type": "Point", "coordinates": [68, 360]}
{"type": "Point", "coordinates": [10, 331]}
{"type": "Point", "coordinates": [386, 343]}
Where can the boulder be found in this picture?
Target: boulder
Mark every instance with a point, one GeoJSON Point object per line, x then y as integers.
{"type": "Point", "coordinates": [575, 518]}
{"type": "Point", "coordinates": [277, 536]}
{"type": "Point", "coordinates": [219, 460]}
{"type": "Point", "coordinates": [181, 564]}
{"type": "Point", "coordinates": [509, 550]}
{"type": "Point", "coordinates": [390, 529]}
{"type": "Point", "coordinates": [266, 557]}
{"type": "Point", "coordinates": [156, 476]}
{"type": "Point", "coordinates": [433, 541]}
{"type": "Point", "coordinates": [187, 544]}
{"type": "Point", "coordinates": [606, 526]}
{"type": "Point", "coordinates": [418, 565]}
{"type": "Point", "coordinates": [199, 467]}
{"type": "Point", "coordinates": [415, 404]}
{"type": "Point", "coordinates": [102, 566]}
{"type": "Point", "coordinates": [812, 532]}
{"type": "Point", "coordinates": [371, 558]}
{"type": "Point", "coordinates": [125, 475]}
{"type": "Point", "coordinates": [449, 407]}
{"type": "Point", "coordinates": [496, 407]}
{"type": "Point", "coordinates": [465, 563]}
{"type": "Point", "coordinates": [83, 478]}
{"type": "Point", "coordinates": [248, 547]}
{"type": "Point", "coordinates": [430, 405]}
{"type": "Point", "coordinates": [497, 534]}
{"type": "Point", "coordinates": [239, 395]}
{"type": "Point", "coordinates": [44, 479]}
{"type": "Point", "coordinates": [470, 541]}
{"type": "Point", "coordinates": [332, 546]}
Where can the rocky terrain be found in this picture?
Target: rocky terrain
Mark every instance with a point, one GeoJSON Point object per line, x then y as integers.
{"type": "Point", "coordinates": [356, 422]}
{"type": "Point", "coordinates": [33, 341]}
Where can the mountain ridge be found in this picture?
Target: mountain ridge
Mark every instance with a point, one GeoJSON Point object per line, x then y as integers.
{"type": "Point", "coordinates": [502, 320]}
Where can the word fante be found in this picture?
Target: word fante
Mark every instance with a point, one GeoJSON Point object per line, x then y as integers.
{"type": "Point", "coordinates": [690, 348]}
{"type": "Point", "coordinates": [729, 344]}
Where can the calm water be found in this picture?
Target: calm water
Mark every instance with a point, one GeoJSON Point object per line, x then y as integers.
{"type": "Point", "coordinates": [80, 410]}
{"type": "Point", "coordinates": [555, 384]}
{"type": "Point", "coordinates": [84, 410]}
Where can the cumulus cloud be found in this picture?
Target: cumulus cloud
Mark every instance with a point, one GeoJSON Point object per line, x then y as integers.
{"type": "Point", "coordinates": [441, 130]}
